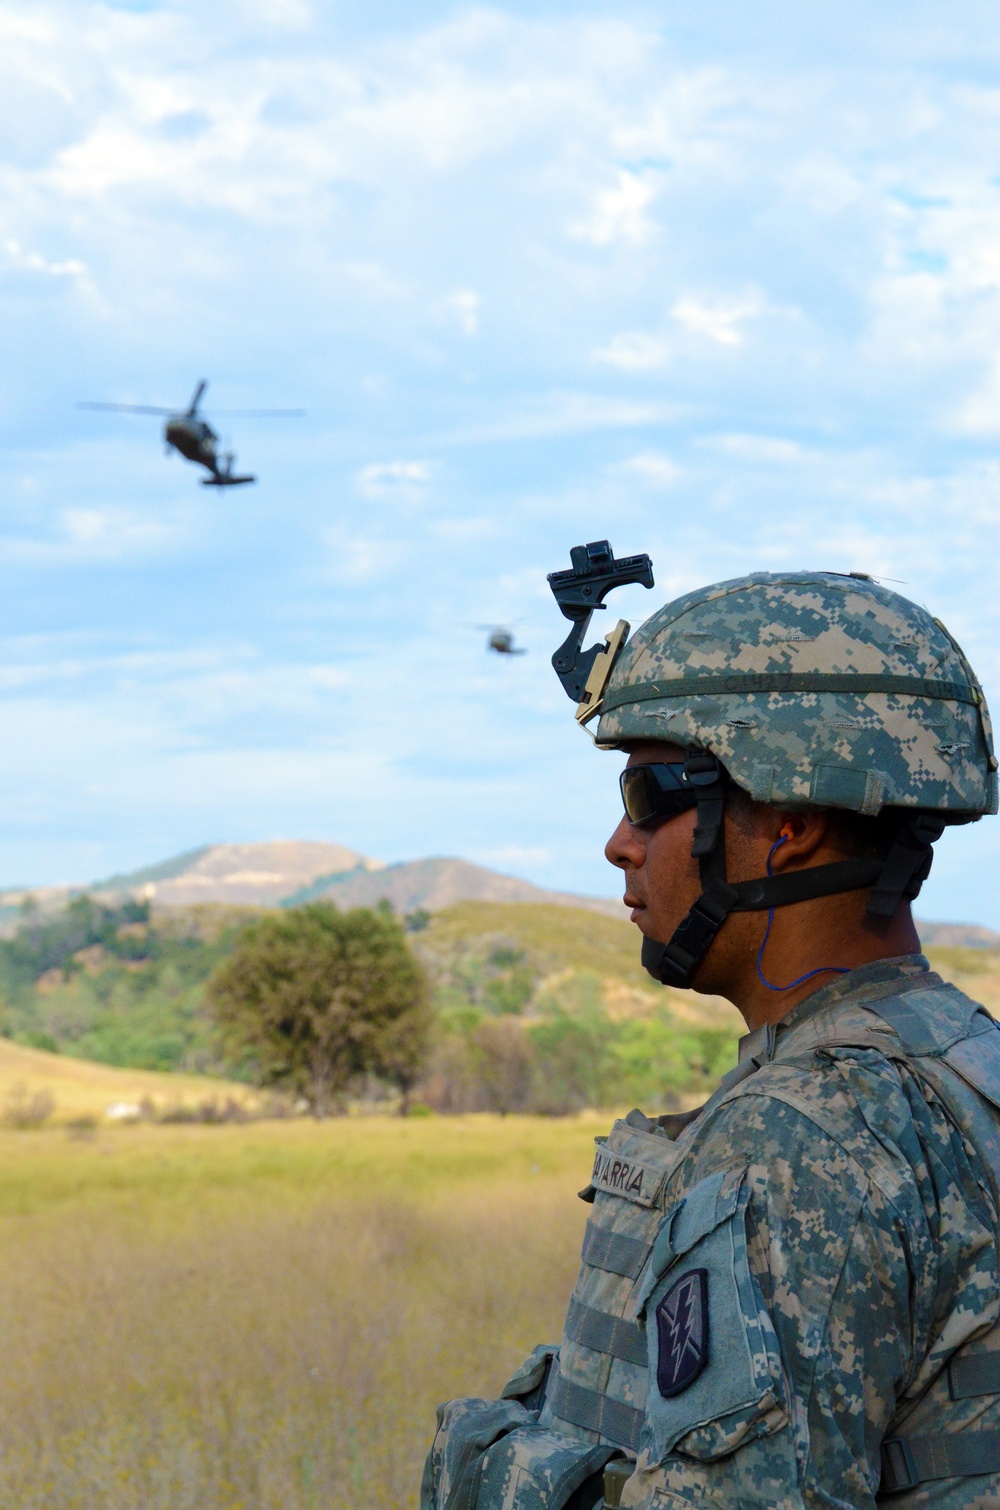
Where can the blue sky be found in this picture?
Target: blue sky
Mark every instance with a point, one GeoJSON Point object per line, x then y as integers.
{"type": "Point", "coordinates": [719, 282]}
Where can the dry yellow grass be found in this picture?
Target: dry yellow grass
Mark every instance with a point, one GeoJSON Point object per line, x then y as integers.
{"type": "Point", "coordinates": [81, 1088]}
{"type": "Point", "coordinates": [265, 1317]}
{"type": "Point", "coordinates": [974, 971]}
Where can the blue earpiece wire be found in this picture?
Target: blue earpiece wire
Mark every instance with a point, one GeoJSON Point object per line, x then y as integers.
{"type": "Point", "coordinates": [822, 970]}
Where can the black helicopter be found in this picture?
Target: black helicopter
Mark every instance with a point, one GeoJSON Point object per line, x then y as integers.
{"type": "Point", "coordinates": [188, 433]}
{"type": "Point", "coordinates": [501, 640]}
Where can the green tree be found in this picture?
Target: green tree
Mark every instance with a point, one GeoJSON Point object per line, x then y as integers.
{"type": "Point", "coordinates": [313, 997]}
{"type": "Point", "coordinates": [571, 1062]}
{"type": "Point", "coordinates": [504, 1056]}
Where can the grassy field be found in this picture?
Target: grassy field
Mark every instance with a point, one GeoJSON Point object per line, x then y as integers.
{"type": "Point", "coordinates": [80, 1088]}
{"type": "Point", "coordinates": [266, 1316]}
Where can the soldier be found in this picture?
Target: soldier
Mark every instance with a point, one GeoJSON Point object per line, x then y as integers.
{"type": "Point", "coordinates": [789, 1297]}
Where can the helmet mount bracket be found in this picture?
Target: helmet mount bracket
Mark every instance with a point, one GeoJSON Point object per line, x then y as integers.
{"type": "Point", "coordinates": [579, 592]}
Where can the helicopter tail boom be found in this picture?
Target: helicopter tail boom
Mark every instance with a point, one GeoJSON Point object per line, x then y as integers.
{"type": "Point", "coordinates": [226, 480]}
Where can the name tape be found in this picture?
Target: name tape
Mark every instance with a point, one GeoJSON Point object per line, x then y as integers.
{"type": "Point", "coordinates": [626, 1177]}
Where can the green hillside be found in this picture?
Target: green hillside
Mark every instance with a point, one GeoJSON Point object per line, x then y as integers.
{"type": "Point", "coordinates": [115, 985]}
{"type": "Point", "coordinates": [463, 944]}
{"type": "Point", "coordinates": [553, 938]}
{"type": "Point", "coordinates": [539, 1007]}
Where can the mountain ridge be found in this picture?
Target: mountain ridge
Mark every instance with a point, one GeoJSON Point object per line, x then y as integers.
{"type": "Point", "coordinates": [289, 872]}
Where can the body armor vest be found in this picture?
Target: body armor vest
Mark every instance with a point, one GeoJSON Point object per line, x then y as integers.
{"type": "Point", "coordinates": [596, 1386]}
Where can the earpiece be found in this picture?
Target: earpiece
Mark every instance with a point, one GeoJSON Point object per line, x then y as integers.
{"type": "Point", "coordinates": [787, 832]}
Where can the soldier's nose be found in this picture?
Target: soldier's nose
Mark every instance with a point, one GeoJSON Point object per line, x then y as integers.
{"type": "Point", "coordinates": [626, 847]}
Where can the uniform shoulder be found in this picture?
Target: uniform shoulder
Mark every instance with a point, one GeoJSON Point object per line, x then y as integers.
{"type": "Point", "coordinates": [816, 1112]}
{"type": "Point", "coordinates": [851, 1078]}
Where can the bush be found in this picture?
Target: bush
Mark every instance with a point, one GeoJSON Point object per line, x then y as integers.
{"type": "Point", "coordinates": [572, 1067]}
{"type": "Point", "coordinates": [656, 1060]}
{"type": "Point", "coordinates": [210, 1111]}
{"type": "Point", "coordinates": [570, 1054]}
{"type": "Point", "coordinates": [504, 1058]}
{"type": "Point", "coordinates": [24, 1108]}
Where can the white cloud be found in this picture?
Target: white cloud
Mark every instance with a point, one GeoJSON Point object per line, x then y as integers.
{"type": "Point", "coordinates": [383, 479]}
{"type": "Point", "coordinates": [651, 467]}
{"type": "Point", "coordinates": [766, 449]}
{"type": "Point", "coordinates": [374, 279]}
{"type": "Point", "coordinates": [979, 412]}
{"type": "Point", "coordinates": [330, 678]}
{"type": "Point", "coordinates": [356, 559]}
{"type": "Point", "coordinates": [719, 320]}
{"type": "Point", "coordinates": [619, 214]}
{"type": "Point", "coordinates": [515, 857]}
{"type": "Point", "coordinates": [634, 351]}
{"type": "Point", "coordinates": [91, 535]}
{"type": "Point", "coordinates": [34, 262]}
{"type": "Point", "coordinates": [555, 414]}
{"type": "Point", "coordinates": [464, 304]}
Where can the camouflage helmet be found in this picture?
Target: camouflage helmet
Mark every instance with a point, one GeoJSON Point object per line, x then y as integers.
{"type": "Point", "coordinates": [812, 689]}
{"type": "Point", "coordinates": [807, 689]}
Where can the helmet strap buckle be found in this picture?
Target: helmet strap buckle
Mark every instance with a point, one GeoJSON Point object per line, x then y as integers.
{"type": "Point", "coordinates": [907, 865]}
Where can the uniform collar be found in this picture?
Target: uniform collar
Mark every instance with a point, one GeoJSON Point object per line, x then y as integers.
{"type": "Point", "coordinates": [867, 979]}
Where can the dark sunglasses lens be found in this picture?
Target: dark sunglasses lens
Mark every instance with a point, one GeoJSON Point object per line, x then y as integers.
{"type": "Point", "coordinates": [636, 794]}
{"type": "Point", "coordinates": [655, 791]}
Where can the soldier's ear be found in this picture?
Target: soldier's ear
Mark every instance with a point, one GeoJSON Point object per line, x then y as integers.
{"type": "Point", "coordinates": [798, 837]}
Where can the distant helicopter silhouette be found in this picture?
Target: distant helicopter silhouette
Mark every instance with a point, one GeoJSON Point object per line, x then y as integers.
{"type": "Point", "coordinates": [188, 433]}
{"type": "Point", "coordinates": [501, 640]}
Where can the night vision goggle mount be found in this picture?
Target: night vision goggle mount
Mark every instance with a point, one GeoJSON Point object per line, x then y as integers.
{"type": "Point", "coordinates": [579, 591]}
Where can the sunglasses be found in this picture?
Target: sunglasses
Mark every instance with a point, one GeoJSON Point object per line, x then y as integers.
{"type": "Point", "coordinates": [660, 790]}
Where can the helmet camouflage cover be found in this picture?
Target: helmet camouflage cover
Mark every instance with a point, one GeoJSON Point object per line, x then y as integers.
{"type": "Point", "coordinates": [813, 690]}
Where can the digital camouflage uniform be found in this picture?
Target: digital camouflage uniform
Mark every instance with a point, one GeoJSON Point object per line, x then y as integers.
{"type": "Point", "coordinates": [791, 1297]}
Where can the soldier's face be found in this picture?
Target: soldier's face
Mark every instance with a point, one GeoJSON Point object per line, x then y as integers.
{"type": "Point", "coordinates": [661, 876]}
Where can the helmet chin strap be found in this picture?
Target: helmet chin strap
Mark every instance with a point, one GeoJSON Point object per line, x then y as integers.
{"type": "Point", "coordinates": [900, 874]}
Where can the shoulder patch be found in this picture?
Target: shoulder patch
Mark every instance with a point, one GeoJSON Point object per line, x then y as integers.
{"type": "Point", "coordinates": [682, 1333]}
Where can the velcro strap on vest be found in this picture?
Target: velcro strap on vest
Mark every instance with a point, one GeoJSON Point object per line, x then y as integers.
{"type": "Point", "coordinates": [613, 1419]}
{"type": "Point", "coordinates": [613, 1252]}
{"type": "Point", "coordinates": [976, 1374]}
{"type": "Point", "coordinates": [909, 1461]}
{"type": "Point", "coordinates": [606, 1334]}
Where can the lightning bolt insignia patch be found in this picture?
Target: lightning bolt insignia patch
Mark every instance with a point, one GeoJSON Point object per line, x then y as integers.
{"type": "Point", "coordinates": [682, 1333]}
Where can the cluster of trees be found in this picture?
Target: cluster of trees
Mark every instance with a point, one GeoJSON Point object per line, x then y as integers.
{"type": "Point", "coordinates": [569, 1054]}
{"type": "Point", "coordinates": [324, 1005]}
{"type": "Point", "coordinates": [314, 1000]}
{"type": "Point", "coordinates": [107, 983]}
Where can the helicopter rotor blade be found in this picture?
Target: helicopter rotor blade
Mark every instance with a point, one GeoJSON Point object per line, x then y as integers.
{"type": "Point", "coordinates": [193, 408]}
{"type": "Point", "coordinates": [126, 408]}
{"type": "Point", "coordinates": [260, 413]}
